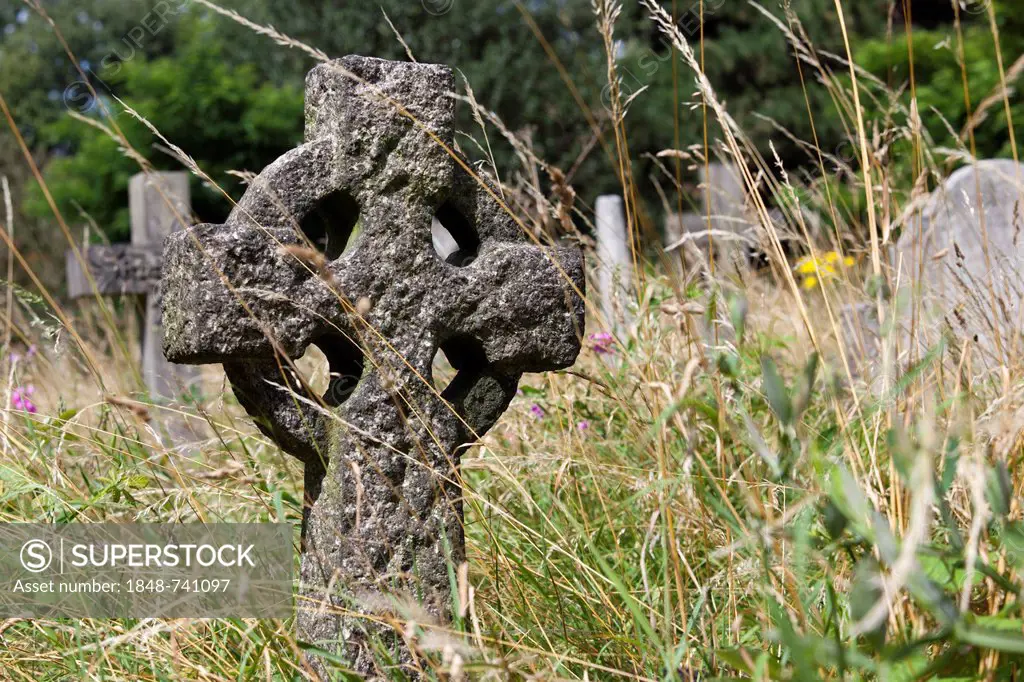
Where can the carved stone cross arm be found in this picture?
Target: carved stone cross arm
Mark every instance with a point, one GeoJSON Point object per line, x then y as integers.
{"type": "Point", "coordinates": [115, 269]}
{"type": "Point", "coordinates": [381, 446]}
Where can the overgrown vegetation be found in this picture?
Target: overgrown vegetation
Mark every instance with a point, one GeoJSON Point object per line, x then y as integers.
{"type": "Point", "coordinates": [727, 488]}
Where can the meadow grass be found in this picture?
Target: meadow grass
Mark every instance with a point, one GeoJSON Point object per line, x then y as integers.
{"type": "Point", "coordinates": [725, 487]}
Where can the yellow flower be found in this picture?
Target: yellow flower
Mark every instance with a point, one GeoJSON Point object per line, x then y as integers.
{"type": "Point", "coordinates": [806, 266]}
{"type": "Point", "coordinates": [826, 265]}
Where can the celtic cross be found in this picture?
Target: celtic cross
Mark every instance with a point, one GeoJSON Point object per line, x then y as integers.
{"type": "Point", "coordinates": [331, 246]}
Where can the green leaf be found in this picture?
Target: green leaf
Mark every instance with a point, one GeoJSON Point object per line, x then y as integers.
{"type": "Point", "coordinates": [738, 308]}
{"type": "Point", "coordinates": [67, 414]}
{"type": "Point", "coordinates": [835, 520]}
{"type": "Point", "coordinates": [137, 481]}
{"type": "Point", "coordinates": [737, 659]}
{"type": "Point", "coordinates": [902, 450]}
{"type": "Point", "coordinates": [1012, 539]}
{"type": "Point", "coordinates": [949, 462]}
{"type": "Point", "coordinates": [865, 593]}
{"type": "Point", "coordinates": [990, 638]}
{"type": "Point", "coordinates": [998, 489]}
{"type": "Point", "coordinates": [342, 670]}
{"type": "Point", "coordinates": [728, 365]}
{"type": "Point", "coordinates": [805, 387]}
{"type": "Point", "coordinates": [775, 390]}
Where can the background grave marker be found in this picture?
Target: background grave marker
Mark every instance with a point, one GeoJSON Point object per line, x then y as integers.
{"type": "Point", "coordinates": [157, 202]}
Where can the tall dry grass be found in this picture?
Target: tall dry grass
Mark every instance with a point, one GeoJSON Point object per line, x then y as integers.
{"type": "Point", "coordinates": [729, 486]}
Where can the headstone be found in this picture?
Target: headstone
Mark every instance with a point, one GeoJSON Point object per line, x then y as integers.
{"type": "Point", "coordinates": [158, 202]}
{"type": "Point", "coordinates": [721, 192]}
{"type": "Point", "coordinates": [943, 257]}
{"type": "Point", "coordinates": [723, 186]}
{"type": "Point", "coordinates": [684, 229]}
{"type": "Point", "coordinates": [614, 260]}
{"type": "Point", "coordinates": [382, 522]}
{"type": "Point", "coordinates": [861, 335]}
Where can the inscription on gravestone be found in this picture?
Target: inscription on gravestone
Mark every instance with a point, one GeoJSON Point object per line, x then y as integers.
{"type": "Point", "coordinates": [381, 448]}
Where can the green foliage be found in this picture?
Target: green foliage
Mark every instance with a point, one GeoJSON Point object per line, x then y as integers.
{"type": "Point", "coordinates": [204, 85]}
{"type": "Point", "coordinates": [751, 67]}
{"type": "Point", "coordinates": [493, 45]}
{"type": "Point", "coordinates": [784, 531]}
{"type": "Point", "coordinates": [229, 96]}
{"type": "Point", "coordinates": [232, 100]}
{"type": "Point", "coordinates": [222, 115]}
{"type": "Point", "coordinates": [940, 71]}
{"type": "Point", "coordinates": [94, 31]}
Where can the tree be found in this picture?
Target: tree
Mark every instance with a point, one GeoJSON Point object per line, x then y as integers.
{"type": "Point", "coordinates": [223, 115]}
{"type": "Point", "coordinates": [752, 70]}
{"type": "Point", "coordinates": [232, 99]}
{"type": "Point", "coordinates": [940, 79]}
{"type": "Point", "coordinates": [507, 51]}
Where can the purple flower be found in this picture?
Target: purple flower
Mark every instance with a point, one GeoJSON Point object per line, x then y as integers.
{"type": "Point", "coordinates": [31, 350]}
{"type": "Point", "coordinates": [20, 399]}
{"type": "Point", "coordinates": [602, 343]}
{"type": "Point", "coordinates": [583, 425]}
{"type": "Point", "coordinates": [537, 411]}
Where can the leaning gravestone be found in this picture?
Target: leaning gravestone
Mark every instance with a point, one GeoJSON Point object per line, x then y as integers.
{"type": "Point", "coordinates": [158, 203]}
{"type": "Point", "coordinates": [383, 517]}
{"type": "Point", "coordinates": [944, 259]}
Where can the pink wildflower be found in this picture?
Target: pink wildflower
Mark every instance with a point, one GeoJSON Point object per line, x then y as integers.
{"type": "Point", "coordinates": [537, 411]}
{"type": "Point", "coordinates": [20, 399]}
{"type": "Point", "coordinates": [583, 425]}
{"type": "Point", "coordinates": [602, 343]}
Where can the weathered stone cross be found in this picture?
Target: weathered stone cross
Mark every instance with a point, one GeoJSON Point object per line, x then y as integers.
{"type": "Point", "coordinates": [381, 448]}
{"type": "Point", "coordinates": [158, 202]}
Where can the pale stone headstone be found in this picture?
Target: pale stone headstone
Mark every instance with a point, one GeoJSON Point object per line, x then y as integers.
{"type": "Point", "coordinates": [722, 194]}
{"type": "Point", "coordinates": [723, 186]}
{"type": "Point", "coordinates": [614, 259]}
{"type": "Point", "coordinates": [942, 259]}
{"type": "Point", "coordinates": [158, 202]}
{"type": "Point", "coordinates": [692, 226]}
{"type": "Point", "coordinates": [383, 508]}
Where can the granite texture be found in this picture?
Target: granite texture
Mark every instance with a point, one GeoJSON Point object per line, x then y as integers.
{"type": "Point", "coordinates": [381, 448]}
